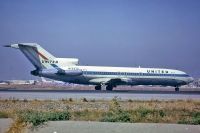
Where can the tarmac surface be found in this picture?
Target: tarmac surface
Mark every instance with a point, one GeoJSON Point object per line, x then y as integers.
{"type": "Point", "coordinates": [5, 123]}
{"type": "Point", "coordinates": [98, 95]}
{"type": "Point", "coordinates": [108, 127]}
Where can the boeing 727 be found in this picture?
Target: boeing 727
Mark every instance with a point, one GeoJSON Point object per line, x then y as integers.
{"type": "Point", "coordinates": [68, 70]}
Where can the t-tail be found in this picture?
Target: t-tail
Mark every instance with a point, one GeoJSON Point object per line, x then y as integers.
{"type": "Point", "coordinates": [41, 59]}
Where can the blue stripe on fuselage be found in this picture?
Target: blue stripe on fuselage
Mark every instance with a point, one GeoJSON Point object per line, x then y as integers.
{"type": "Point", "coordinates": [56, 67]}
{"type": "Point", "coordinates": [132, 74]}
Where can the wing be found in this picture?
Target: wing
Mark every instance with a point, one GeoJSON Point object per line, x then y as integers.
{"type": "Point", "coordinates": [113, 81]}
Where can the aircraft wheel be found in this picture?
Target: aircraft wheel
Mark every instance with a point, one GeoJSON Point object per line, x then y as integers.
{"type": "Point", "coordinates": [109, 87]}
{"type": "Point", "coordinates": [176, 89]}
{"type": "Point", "coordinates": [98, 87]}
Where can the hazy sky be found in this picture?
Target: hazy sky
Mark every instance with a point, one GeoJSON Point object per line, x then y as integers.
{"type": "Point", "coordinates": [149, 33]}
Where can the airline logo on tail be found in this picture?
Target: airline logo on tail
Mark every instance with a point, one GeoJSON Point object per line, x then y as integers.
{"type": "Point", "coordinates": [49, 61]}
{"type": "Point", "coordinates": [41, 55]}
{"type": "Point", "coordinates": [45, 59]}
{"type": "Point", "coordinates": [41, 58]}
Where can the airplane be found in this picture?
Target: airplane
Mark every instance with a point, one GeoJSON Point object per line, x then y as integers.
{"type": "Point", "coordinates": [68, 70]}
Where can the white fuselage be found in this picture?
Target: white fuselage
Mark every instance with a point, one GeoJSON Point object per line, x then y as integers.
{"type": "Point", "coordinates": [96, 75]}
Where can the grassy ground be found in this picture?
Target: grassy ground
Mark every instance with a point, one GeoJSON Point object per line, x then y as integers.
{"type": "Point", "coordinates": [35, 112]}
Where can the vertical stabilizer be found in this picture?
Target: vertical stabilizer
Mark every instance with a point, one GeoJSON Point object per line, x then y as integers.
{"type": "Point", "coordinates": [42, 59]}
{"type": "Point", "coordinates": [38, 56]}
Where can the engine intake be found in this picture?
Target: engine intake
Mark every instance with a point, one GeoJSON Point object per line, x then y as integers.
{"type": "Point", "coordinates": [35, 72]}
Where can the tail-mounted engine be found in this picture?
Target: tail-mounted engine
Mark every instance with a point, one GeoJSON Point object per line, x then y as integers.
{"type": "Point", "coordinates": [50, 72]}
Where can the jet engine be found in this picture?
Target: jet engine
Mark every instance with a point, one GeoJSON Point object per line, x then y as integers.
{"type": "Point", "coordinates": [49, 72]}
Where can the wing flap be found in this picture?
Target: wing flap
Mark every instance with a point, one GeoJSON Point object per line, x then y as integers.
{"type": "Point", "coordinates": [113, 81]}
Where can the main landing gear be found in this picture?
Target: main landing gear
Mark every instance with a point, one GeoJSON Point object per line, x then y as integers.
{"type": "Point", "coordinates": [108, 87]}
{"type": "Point", "coordinates": [176, 88]}
{"type": "Point", "coordinates": [98, 87]}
